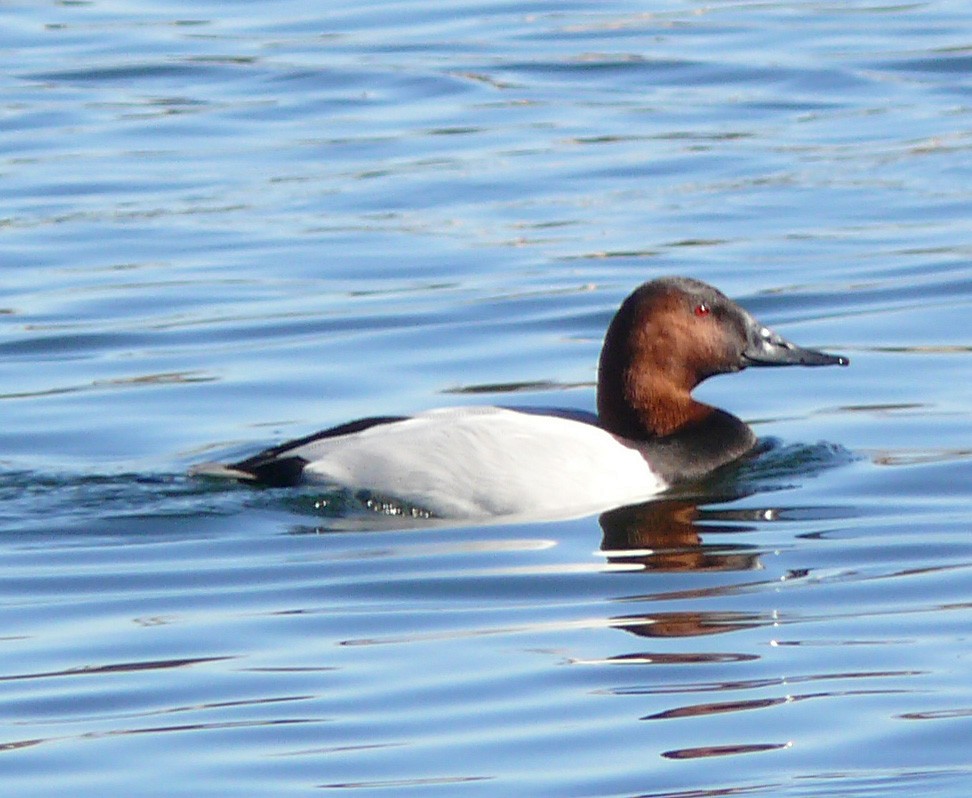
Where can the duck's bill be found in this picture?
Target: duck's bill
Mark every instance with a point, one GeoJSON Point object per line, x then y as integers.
{"type": "Point", "coordinates": [768, 348]}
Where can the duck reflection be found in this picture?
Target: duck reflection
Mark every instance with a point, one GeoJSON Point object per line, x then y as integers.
{"type": "Point", "coordinates": [666, 535]}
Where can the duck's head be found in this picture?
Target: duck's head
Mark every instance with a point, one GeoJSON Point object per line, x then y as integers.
{"type": "Point", "coordinates": [668, 336]}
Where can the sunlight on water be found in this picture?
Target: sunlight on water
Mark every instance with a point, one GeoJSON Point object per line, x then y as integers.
{"type": "Point", "coordinates": [222, 230]}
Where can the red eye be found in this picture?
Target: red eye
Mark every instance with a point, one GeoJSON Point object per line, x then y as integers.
{"type": "Point", "coordinates": [702, 309]}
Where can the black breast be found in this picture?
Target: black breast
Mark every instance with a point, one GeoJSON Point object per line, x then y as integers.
{"type": "Point", "coordinates": [700, 448]}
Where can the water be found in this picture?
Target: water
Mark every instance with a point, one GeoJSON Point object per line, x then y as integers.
{"type": "Point", "coordinates": [225, 225]}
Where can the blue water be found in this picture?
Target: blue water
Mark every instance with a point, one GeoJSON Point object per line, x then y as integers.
{"type": "Point", "coordinates": [222, 225]}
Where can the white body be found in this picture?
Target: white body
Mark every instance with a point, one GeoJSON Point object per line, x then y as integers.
{"type": "Point", "coordinates": [481, 462]}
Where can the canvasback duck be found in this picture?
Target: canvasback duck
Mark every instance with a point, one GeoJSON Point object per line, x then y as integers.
{"type": "Point", "coordinates": [490, 462]}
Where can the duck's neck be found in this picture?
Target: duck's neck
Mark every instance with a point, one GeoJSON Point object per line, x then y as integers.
{"type": "Point", "coordinates": [639, 406]}
{"type": "Point", "coordinates": [682, 438]}
{"type": "Point", "coordinates": [640, 401]}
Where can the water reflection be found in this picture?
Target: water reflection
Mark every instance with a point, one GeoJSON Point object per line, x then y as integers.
{"type": "Point", "coordinates": [666, 536]}
{"type": "Point", "coordinates": [690, 623]}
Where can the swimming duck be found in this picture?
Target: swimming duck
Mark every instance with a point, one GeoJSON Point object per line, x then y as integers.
{"type": "Point", "coordinates": [649, 433]}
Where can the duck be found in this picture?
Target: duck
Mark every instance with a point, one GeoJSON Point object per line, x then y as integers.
{"type": "Point", "coordinates": [648, 435]}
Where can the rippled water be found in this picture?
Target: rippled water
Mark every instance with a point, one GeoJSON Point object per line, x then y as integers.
{"type": "Point", "coordinates": [225, 224]}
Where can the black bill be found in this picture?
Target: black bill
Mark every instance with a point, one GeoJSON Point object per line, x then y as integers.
{"type": "Point", "coordinates": [768, 348]}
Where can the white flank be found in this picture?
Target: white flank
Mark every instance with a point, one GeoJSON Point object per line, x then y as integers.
{"type": "Point", "coordinates": [483, 462]}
